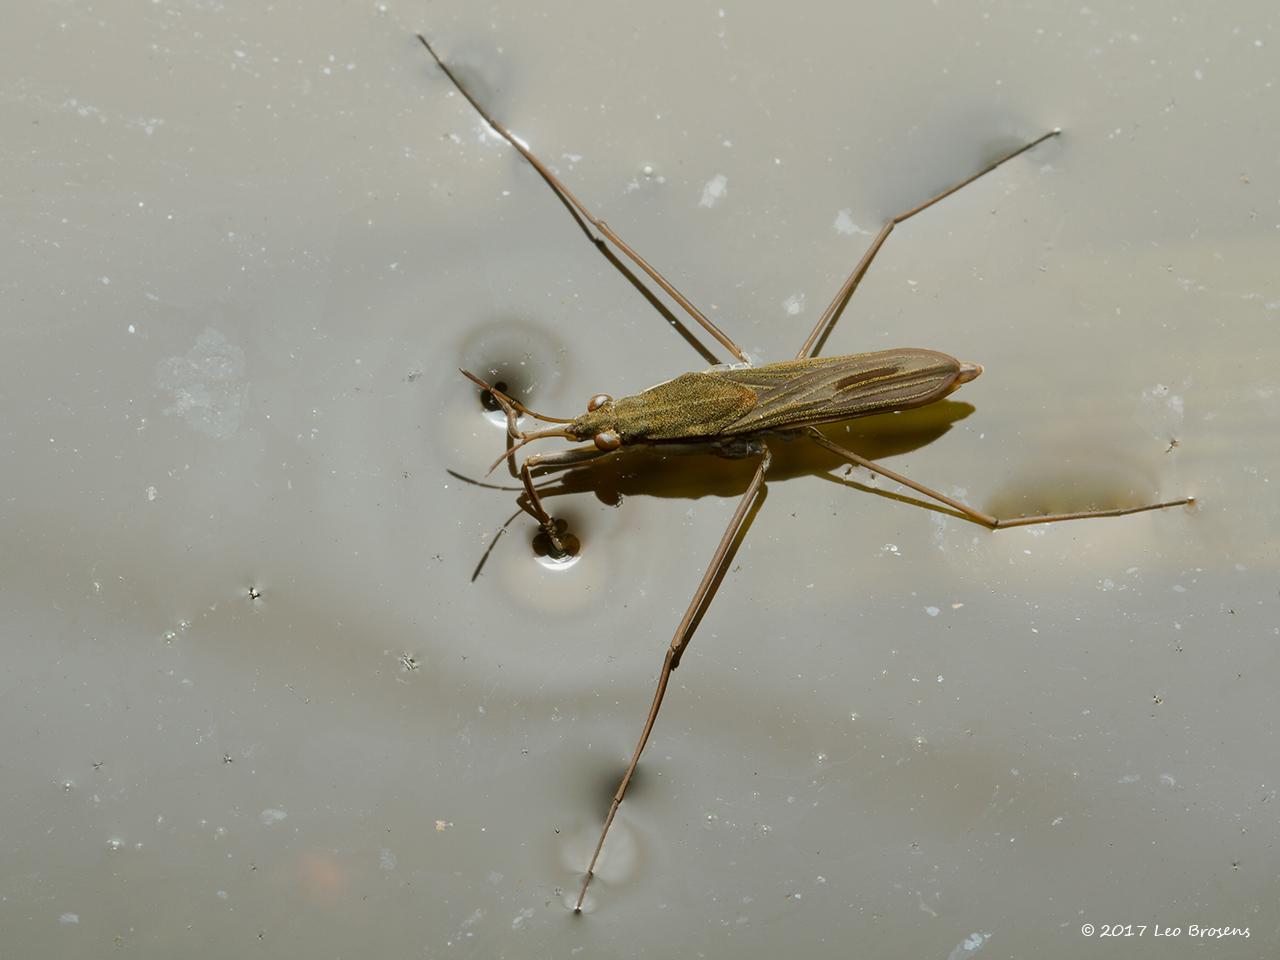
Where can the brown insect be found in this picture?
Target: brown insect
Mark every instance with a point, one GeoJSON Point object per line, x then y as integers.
{"type": "Point", "coordinates": [734, 411]}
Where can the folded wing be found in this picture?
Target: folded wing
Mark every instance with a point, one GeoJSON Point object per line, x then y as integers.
{"type": "Point", "coordinates": [799, 393]}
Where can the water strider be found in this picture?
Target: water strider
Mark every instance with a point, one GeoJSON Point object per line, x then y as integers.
{"type": "Point", "coordinates": [734, 411]}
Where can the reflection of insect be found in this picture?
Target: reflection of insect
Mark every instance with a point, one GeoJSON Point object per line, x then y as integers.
{"type": "Point", "coordinates": [734, 411]}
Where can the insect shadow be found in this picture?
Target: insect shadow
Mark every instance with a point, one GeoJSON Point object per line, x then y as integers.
{"type": "Point", "coordinates": [649, 472]}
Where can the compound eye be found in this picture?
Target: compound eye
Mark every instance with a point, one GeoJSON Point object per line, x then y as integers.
{"type": "Point", "coordinates": [607, 440]}
{"type": "Point", "coordinates": [598, 401]}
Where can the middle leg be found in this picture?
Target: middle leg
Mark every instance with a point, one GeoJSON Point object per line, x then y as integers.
{"type": "Point", "coordinates": [828, 317]}
{"type": "Point", "coordinates": [569, 197]}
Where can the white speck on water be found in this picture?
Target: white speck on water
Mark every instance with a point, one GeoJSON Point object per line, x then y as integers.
{"type": "Point", "coordinates": [151, 493]}
{"type": "Point", "coordinates": [132, 328]}
{"type": "Point", "coordinates": [1179, 588]}
{"type": "Point", "coordinates": [1168, 780]}
{"type": "Point", "coordinates": [521, 917]}
{"type": "Point", "coordinates": [206, 384]}
{"type": "Point", "coordinates": [1198, 73]}
{"type": "Point", "coordinates": [222, 894]}
{"type": "Point", "coordinates": [969, 946]}
{"type": "Point", "coordinates": [105, 281]}
{"type": "Point", "coordinates": [386, 859]}
{"type": "Point", "coordinates": [891, 548]}
{"type": "Point", "coordinates": [1130, 778]}
{"type": "Point", "coordinates": [844, 224]}
{"type": "Point", "coordinates": [85, 110]}
{"type": "Point", "coordinates": [714, 190]}
{"type": "Point", "coordinates": [793, 304]}
{"type": "Point", "coordinates": [932, 611]}
{"type": "Point", "coordinates": [272, 815]}
{"type": "Point", "coordinates": [68, 918]}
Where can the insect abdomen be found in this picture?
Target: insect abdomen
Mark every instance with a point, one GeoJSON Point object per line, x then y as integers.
{"type": "Point", "coordinates": [798, 393]}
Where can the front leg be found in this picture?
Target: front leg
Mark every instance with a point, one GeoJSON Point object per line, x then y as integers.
{"type": "Point", "coordinates": [531, 503]}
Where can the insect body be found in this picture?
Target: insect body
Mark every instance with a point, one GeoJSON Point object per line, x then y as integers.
{"type": "Point", "coordinates": [730, 411]}
{"type": "Point", "coordinates": [734, 411]}
{"type": "Point", "coordinates": [778, 396]}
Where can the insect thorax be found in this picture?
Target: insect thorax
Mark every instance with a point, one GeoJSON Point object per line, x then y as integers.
{"type": "Point", "coordinates": [692, 405]}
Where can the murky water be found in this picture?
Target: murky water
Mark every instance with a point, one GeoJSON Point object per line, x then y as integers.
{"type": "Point", "coordinates": [252, 698]}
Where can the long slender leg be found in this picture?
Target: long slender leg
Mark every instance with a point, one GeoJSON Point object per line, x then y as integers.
{"type": "Point", "coordinates": [822, 327]}
{"type": "Point", "coordinates": [679, 642]}
{"type": "Point", "coordinates": [977, 515]}
{"type": "Point", "coordinates": [564, 192]}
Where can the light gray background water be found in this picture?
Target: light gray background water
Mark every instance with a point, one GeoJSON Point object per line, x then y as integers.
{"type": "Point", "coordinates": [246, 247]}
